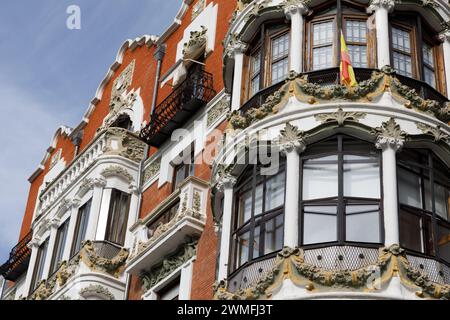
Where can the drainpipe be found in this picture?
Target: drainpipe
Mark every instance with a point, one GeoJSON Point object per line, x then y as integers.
{"type": "Point", "coordinates": [159, 55]}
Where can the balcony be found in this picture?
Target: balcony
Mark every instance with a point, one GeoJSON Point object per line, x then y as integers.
{"type": "Point", "coordinates": [18, 261]}
{"type": "Point", "coordinates": [187, 98]}
{"type": "Point", "coordinates": [186, 223]}
{"type": "Point", "coordinates": [329, 78]}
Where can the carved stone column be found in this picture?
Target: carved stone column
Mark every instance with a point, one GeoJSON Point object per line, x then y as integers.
{"type": "Point", "coordinates": [237, 49]}
{"type": "Point", "coordinates": [390, 139]}
{"type": "Point", "coordinates": [445, 38]}
{"type": "Point", "coordinates": [382, 8]}
{"type": "Point", "coordinates": [98, 185]}
{"type": "Point", "coordinates": [226, 184]}
{"type": "Point", "coordinates": [73, 207]}
{"type": "Point", "coordinates": [295, 10]}
{"type": "Point", "coordinates": [291, 144]}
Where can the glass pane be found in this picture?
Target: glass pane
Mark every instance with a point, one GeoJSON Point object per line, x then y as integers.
{"type": "Point", "coordinates": [256, 242]}
{"type": "Point", "coordinates": [322, 57]}
{"type": "Point", "coordinates": [259, 199]}
{"type": "Point", "coordinates": [363, 223]}
{"type": "Point", "coordinates": [245, 207]}
{"type": "Point", "coordinates": [409, 188]}
{"type": "Point", "coordinates": [323, 33]}
{"type": "Point", "coordinates": [280, 46]}
{"type": "Point", "coordinates": [410, 232]}
{"type": "Point", "coordinates": [275, 191]}
{"type": "Point", "coordinates": [256, 63]}
{"type": "Point", "coordinates": [428, 57]}
{"type": "Point", "coordinates": [444, 243]}
{"type": "Point", "coordinates": [320, 180]}
{"type": "Point", "coordinates": [60, 245]}
{"type": "Point", "coordinates": [403, 64]}
{"type": "Point", "coordinates": [280, 70]}
{"type": "Point", "coordinates": [358, 56]}
{"type": "Point", "coordinates": [401, 40]}
{"type": "Point", "coordinates": [356, 31]}
{"type": "Point", "coordinates": [242, 249]}
{"type": "Point", "coordinates": [429, 77]}
{"type": "Point", "coordinates": [319, 227]}
{"type": "Point", "coordinates": [442, 201]}
{"type": "Point", "coordinates": [274, 235]}
{"type": "Point", "coordinates": [255, 85]}
{"type": "Point", "coordinates": [361, 179]}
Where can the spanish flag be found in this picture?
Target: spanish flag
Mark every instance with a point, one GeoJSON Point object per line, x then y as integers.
{"type": "Point", "coordinates": [347, 74]}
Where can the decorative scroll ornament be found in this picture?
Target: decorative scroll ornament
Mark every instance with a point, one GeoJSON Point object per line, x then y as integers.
{"type": "Point", "coordinates": [291, 138]}
{"type": "Point", "coordinates": [290, 264]}
{"type": "Point", "coordinates": [169, 264]}
{"type": "Point", "coordinates": [435, 132]}
{"type": "Point", "coordinates": [340, 117]}
{"type": "Point", "coordinates": [196, 41]}
{"type": "Point", "coordinates": [117, 171]}
{"type": "Point", "coordinates": [377, 4]}
{"type": "Point", "coordinates": [96, 290]}
{"type": "Point", "coordinates": [120, 86]}
{"type": "Point", "coordinates": [390, 134]}
{"type": "Point", "coordinates": [258, 8]}
{"type": "Point", "coordinates": [94, 261]}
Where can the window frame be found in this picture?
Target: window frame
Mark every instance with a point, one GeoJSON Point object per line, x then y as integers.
{"type": "Point", "coordinates": [250, 225]}
{"type": "Point", "coordinates": [340, 201]}
{"type": "Point", "coordinates": [60, 244]}
{"type": "Point", "coordinates": [39, 265]}
{"type": "Point", "coordinates": [189, 170]}
{"type": "Point", "coordinates": [113, 229]}
{"type": "Point", "coordinates": [167, 216]}
{"type": "Point", "coordinates": [83, 213]}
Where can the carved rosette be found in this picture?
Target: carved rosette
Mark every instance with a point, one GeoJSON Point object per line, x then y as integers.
{"type": "Point", "coordinates": [390, 135]}
{"type": "Point", "coordinates": [169, 264]}
{"type": "Point", "coordinates": [290, 264]}
{"type": "Point", "coordinates": [291, 139]}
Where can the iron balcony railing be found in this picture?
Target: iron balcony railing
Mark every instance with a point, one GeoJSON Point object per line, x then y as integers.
{"type": "Point", "coordinates": [18, 261]}
{"type": "Point", "coordinates": [190, 95]}
{"type": "Point", "coordinates": [330, 77]}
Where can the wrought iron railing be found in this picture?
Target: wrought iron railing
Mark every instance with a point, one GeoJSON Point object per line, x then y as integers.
{"type": "Point", "coordinates": [330, 77]}
{"type": "Point", "coordinates": [195, 91]}
{"type": "Point", "coordinates": [18, 261]}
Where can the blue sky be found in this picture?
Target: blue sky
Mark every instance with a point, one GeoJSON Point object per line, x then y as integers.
{"type": "Point", "coordinates": [48, 75]}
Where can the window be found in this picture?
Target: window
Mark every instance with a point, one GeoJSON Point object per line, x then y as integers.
{"type": "Point", "coordinates": [171, 291]}
{"type": "Point", "coordinates": [268, 58]}
{"type": "Point", "coordinates": [259, 215]}
{"type": "Point", "coordinates": [58, 251]}
{"type": "Point", "coordinates": [81, 227]}
{"type": "Point", "coordinates": [163, 219]}
{"type": "Point", "coordinates": [323, 37]}
{"type": "Point", "coordinates": [341, 191]}
{"type": "Point", "coordinates": [424, 198]}
{"type": "Point", "coordinates": [183, 170]}
{"type": "Point", "coordinates": [39, 266]}
{"type": "Point", "coordinates": [124, 122]}
{"type": "Point", "coordinates": [118, 217]}
{"type": "Point", "coordinates": [414, 53]}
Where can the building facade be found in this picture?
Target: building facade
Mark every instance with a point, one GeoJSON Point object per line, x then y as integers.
{"type": "Point", "coordinates": [224, 160]}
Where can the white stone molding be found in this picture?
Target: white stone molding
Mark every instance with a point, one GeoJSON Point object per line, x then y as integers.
{"type": "Point", "coordinates": [236, 49]}
{"type": "Point", "coordinates": [445, 38]}
{"type": "Point", "coordinates": [117, 171]}
{"type": "Point", "coordinates": [384, 4]}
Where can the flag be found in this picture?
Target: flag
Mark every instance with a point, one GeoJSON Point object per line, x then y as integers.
{"type": "Point", "coordinates": [347, 74]}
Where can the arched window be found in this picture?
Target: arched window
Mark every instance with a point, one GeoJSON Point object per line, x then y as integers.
{"type": "Point", "coordinates": [268, 57]}
{"type": "Point", "coordinates": [323, 36]}
{"type": "Point", "coordinates": [415, 53]}
{"type": "Point", "coordinates": [123, 121]}
{"type": "Point", "coordinates": [341, 192]}
{"type": "Point", "coordinates": [424, 198]}
{"type": "Point", "coordinates": [259, 215]}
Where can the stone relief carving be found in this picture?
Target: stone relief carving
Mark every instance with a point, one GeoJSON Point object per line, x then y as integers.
{"type": "Point", "coordinates": [96, 290]}
{"type": "Point", "coordinates": [376, 4]}
{"type": "Point", "coordinates": [390, 134]}
{"type": "Point", "coordinates": [152, 170]}
{"type": "Point", "coordinates": [291, 138]}
{"type": "Point", "coordinates": [219, 109]}
{"type": "Point", "coordinates": [129, 147]}
{"type": "Point", "coordinates": [44, 290]}
{"type": "Point", "coordinates": [120, 86]}
{"type": "Point", "coordinates": [169, 264]}
{"type": "Point", "coordinates": [94, 261]}
{"type": "Point", "coordinates": [435, 132]}
{"type": "Point", "coordinates": [290, 264]}
{"type": "Point", "coordinates": [117, 171]}
{"type": "Point", "coordinates": [340, 117]}
{"type": "Point", "coordinates": [196, 41]}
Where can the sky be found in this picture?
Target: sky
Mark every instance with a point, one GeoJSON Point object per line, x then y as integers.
{"type": "Point", "coordinates": [48, 76]}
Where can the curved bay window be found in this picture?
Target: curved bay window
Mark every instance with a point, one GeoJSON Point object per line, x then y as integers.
{"type": "Point", "coordinates": [424, 198]}
{"type": "Point", "coordinates": [323, 34]}
{"type": "Point", "coordinates": [258, 224]}
{"type": "Point", "coordinates": [414, 53]}
{"type": "Point", "coordinates": [268, 57]}
{"type": "Point", "coordinates": [341, 192]}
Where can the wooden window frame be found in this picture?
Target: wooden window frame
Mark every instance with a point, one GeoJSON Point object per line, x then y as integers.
{"type": "Point", "coordinates": [189, 170]}
{"type": "Point", "coordinates": [113, 229]}
{"type": "Point", "coordinates": [311, 46]}
{"type": "Point", "coordinates": [358, 18]}
{"type": "Point", "coordinates": [167, 215]}
{"type": "Point", "coordinates": [412, 31]}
